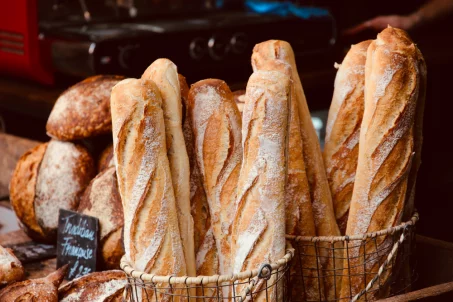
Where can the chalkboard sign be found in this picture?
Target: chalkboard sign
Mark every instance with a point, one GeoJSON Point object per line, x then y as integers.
{"type": "Point", "coordinates": [77, 243]}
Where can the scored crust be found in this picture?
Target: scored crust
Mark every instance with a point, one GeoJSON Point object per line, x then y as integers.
{"type": "Point", "coordinates": [83, 110]}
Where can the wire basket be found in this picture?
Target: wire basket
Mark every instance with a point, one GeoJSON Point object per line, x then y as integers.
{"type": "Point", "coordinates": [372, 266]}
{"type": "Point", "coordinates": [268, 283]}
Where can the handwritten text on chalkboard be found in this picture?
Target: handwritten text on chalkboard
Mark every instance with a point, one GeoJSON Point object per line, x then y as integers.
{"type": "Point", "coordinates": [77, 243]}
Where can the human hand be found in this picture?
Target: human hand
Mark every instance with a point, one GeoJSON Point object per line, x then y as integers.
{"type": "Point", "coordinates": [381, 22]}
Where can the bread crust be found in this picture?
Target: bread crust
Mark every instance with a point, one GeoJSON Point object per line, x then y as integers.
{"type": "Point", "coordinates": [22, 191]}
{"type": "Point", "coordinates": [341, 147]}
{"type": "Point", "coordinates": [151, 234]}
{"type": "Point", "coordinates": [106, 286]}
{"type": "Point", "coordinates": [105, 160]}
{"type": "Point", "coordinates": [259, 222]}
{"type": "Point", "coordinates": [43, 289]}
{"type": "Point", "coordinates": [83, 110]}
{"type": "Point", "coordinates": [216, 125]}
{"type": "Point", "coordinates": [278, 55]}
{"type": "Point", "coordinates": [386, 146]}
{"type": "Point", "coordinates": [11, 269]}
{"type": "Point", "coordinates": [65, 171]}
{"type": "Point", "coordinates": [101, 199]}
{"type": "Point", "coordinates": [206, 262]}
{"type": "Point", "coordinates": [164, 73]}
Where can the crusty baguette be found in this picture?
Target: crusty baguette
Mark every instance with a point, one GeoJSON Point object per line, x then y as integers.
{"type": "Point", "coordinates": [392, 79]}
{"type": "Point", "coordinates": [106, 286]}
{"type": "Point", "coordinates": [281, 56]}
{"type": "Point", "coordinates": [43, 289]}
{"type": "Point", "coordinates": [11, 270]}
{"type": "Point", "coordinates": [205, 248]}
{"type": "Point", "coordinates": [216, 124]}
{"type": "Point", "coordinates": [151, 234]}
{"type": "Point", "coordinates": [341, 147]}
{"type": "Point", "coordinates": [259, 222]}
{"type": "Point", "coordinates": [163, 72]}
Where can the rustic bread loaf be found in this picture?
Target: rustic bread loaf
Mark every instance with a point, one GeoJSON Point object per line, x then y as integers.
{"type": "Point", "coordinates": [341, 147]}
{"type": "Point", "coordinates": [83, 110]}
{"type": "Point", "coordinates": [259, 223]}
{"type": "Point", "coordinates": [151, 233]}
{"type": "Point", "coordinates": [102, 200]}
{"type": "Point", "coordinates": [107, 286]}
{"type": "Point", "coordinates": [11, 269]}
{"type": "Point", "coordinates": [58, 173]}
{"type": "Point", "coordinates": [274, 54]}
{"type": "Point", "coordinates": [239, 99]}
{"type": "Point", "coordinates": [35, 290]}
{"type": "Point", "coordinates": [165, 75]}
{"type": "Point", "coordinates": [106, 160]}
{"type": "Point", "coordinates": [392, 82]}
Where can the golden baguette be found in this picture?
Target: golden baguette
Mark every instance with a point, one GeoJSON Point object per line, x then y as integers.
{"type": "Point", "coordinates": [386, 147]}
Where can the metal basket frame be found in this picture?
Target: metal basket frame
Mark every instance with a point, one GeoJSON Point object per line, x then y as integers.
{"type": "Point", "coordinates": [390, 250]}
{"type": "Point", "coordinates": [172, 287]}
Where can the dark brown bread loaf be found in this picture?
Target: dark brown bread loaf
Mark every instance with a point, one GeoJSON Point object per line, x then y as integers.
{"type": "Point", "coordinates": [83, 110]}
{"type": "Point", "coordinates": [106, 159]}
{"type": "Point", "coordinates": [35, 290]}
{"type": "Point", "coordinates": [49, 177]}
{"type": "Point", "coordinates": [102, 200]}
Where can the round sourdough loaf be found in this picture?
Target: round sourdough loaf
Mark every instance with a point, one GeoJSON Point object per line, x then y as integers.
{"type": "Point", "coordinates": [50, 176]}
{"type": "Point", "coordinates": [83, 110]}
{"type": "Point", "coordinates": [102, 200]}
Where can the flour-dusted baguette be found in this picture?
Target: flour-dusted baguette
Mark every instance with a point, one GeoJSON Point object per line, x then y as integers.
{"type": "Point", "coordinates": [163, 72]}
{"type": "Point", "coordinates": [299, 211]}
{"type": "Point", "coordinates": [205, 248]}
{"type": "Point", "coordinates": [281, 55]}
{"type": "Point", "coordinates": [106, 286]}
{"type": "Point", "coordinates": [151, 235]}
{"type": "Point", "coordinates": [259, 224]}
{"type": "Point", "coordinates": [43, 289]}
{"type": "Point", "coordinates": [341, 147]}
{"type": "Point", "coordinates": [101, 199]}
{"type": "Point", "coordinates": [216, 124]}
{"type": "Point", "coordinates": [11, 270]}
{"type": "Point", "coordinates": [392, 79]}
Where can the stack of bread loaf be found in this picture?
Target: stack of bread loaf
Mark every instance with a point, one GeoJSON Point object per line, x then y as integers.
{"type": "Point", "coordinates": [203, 181]}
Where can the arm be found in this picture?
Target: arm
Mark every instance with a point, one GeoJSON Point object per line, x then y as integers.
{"type": "Point", "coordinates": [432, 10]}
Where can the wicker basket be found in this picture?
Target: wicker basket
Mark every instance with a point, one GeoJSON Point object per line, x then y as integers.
{"type": "Point", "coordinates": [376, 264]}
{"type": "Point", "coordinates": [268, 283]}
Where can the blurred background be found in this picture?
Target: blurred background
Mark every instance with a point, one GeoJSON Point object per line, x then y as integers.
{"type": "Point", "coordinates": [48, 45]}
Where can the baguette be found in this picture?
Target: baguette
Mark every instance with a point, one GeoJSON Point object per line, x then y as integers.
{"type": "Point", "coordinates": [259, 222]}
{"type": "Point", "coordinates": [392, 79]}
{"type": "Point", "coordinates": [163, 72]}
{"type": "Point", "coordinates": [151, 235]}
{"type": "Point", "coordinates": [279, 55]}
{"type": "Point", "coordinates": [341, 147]}
{"type": "Point", "coordinates": [216, 125]}
{"type": "Point", "coordinates": [205, 248]}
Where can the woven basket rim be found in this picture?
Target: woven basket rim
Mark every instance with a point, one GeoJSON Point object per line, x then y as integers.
{"type": "Point", "coordinates": [199, 280]}
{"type": "Point", "coordinates": [332, 239]}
